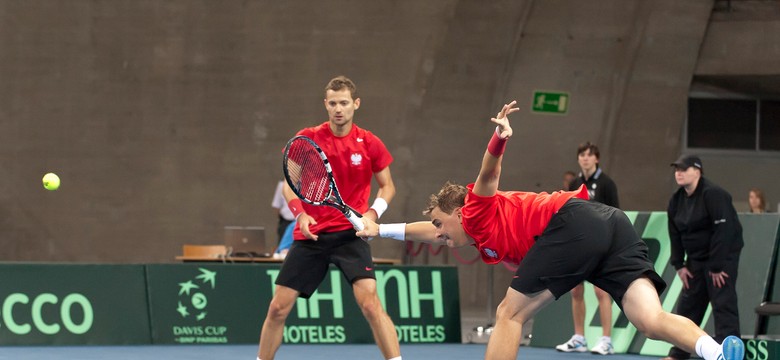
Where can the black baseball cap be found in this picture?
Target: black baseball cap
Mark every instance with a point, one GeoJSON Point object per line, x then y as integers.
{"type": "Point", "coordinates": [686, 161]}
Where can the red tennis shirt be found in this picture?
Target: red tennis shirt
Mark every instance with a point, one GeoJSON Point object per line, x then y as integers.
{"type": "Point", "coordinates": [505, 225]}
{"type": "Point", "coordinates": [354, 159]}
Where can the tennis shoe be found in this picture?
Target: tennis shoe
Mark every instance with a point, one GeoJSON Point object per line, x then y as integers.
{"type": "Point", "coordinates": [732, 349]}
{"type": "Point", "coordinates": [577, 343]}
{"type": "Point", "coordinates": [604, 347]}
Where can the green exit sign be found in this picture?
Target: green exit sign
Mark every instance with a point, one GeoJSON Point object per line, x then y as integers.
{"type": "Point", "coordinates": [550, 102]}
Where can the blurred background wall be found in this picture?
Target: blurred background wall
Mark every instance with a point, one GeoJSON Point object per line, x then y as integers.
{"type": "Point", "coordinates": [165, 119]}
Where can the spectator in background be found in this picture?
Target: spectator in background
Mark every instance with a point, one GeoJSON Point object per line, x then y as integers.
{"type": "Point", "coordinates": [757, 201]}
{"type": "Point", "coordinates": [285, 215]}
{"type": "Point", "coordinates": [601, 189]}
{"type": "Point", "coordinates": [706, 241]}
{"type": "Point", "coordinates": [568, 178]}
{"type": "Point", "coordinates": [285, 243]}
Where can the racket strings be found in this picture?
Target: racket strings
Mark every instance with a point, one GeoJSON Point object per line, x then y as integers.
{"type": "Point", "coordinates": [307, 171]}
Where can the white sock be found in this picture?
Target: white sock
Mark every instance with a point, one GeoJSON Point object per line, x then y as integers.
{"type": "Point", "coordinates": [395, 358]}
{"type": "Point", "coordinates": [707, 348]}
{"type": "Point", "coordinates": [579, 337]}
{"type": "Point", "coordinates": [606, 339]}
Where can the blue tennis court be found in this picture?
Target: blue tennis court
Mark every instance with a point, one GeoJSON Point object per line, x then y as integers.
{"type": "Point", "coordinates": [309, 352]}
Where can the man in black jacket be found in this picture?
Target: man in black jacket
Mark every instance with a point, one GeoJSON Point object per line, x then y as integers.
{"type": "Point", "coordinates": [706, 240]}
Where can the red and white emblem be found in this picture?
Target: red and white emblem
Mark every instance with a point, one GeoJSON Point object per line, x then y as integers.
{"type": "Point", "coordinates": [356, 159]}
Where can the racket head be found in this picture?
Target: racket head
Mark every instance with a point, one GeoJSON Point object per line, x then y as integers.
{"type": "Point", "coordinates": [307, 170]}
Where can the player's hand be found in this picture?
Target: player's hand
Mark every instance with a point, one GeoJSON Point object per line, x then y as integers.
{"type": "Point", "coordinates": [370, 229]}
{"type": "Point", "coordinates": [684, 275]}
{"type": "Point", "coordinates": [304, 220]}
{"type": "Point", "coordinates": [370, 214]}
{"type": "Point", "coordinates": [504, 130]}
{"type": "Point", "coordinates": [719, 278]}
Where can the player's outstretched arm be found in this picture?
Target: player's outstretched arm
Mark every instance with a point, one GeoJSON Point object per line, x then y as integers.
{"type": "Point", "coordinates": [489, 173]}
{"type": "Point", "coordinates": [422, 231]}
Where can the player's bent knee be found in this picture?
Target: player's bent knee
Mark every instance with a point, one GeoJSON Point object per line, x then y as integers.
{"type": "Point", "coordinates": [278, 310]}
{"type": "Point", "coordinates": [371, 308]}
{"type": "Point", "coordinates": [651, 334]}
{"type": "Point", "coordinates": [648, 327]}
{"type": "Point", "coordinates": [508, 312]}
{"type": "Point", "coordinates": [643, 329]}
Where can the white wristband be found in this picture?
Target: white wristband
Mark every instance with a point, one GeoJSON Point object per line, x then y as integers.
{"type": "Point", "coordinates": [393, 231]}
{"type": "Point", "coordinates": [380, 205]}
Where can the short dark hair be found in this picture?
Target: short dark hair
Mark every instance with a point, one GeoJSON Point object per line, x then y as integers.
{"type": "Point", "coordinates": [341, 82]}
{"type": "Point", "coordinates": [450, 197]}
{"type": "Point", "coordinates": [588, 146]}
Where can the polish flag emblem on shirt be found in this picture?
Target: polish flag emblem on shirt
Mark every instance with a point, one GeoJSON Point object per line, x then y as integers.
{"type": "Point", "coordinates": [356, 159]}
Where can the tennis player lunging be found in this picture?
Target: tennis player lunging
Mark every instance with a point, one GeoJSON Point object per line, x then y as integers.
{"type": "Point", "coordinates": [324, 236]}
{"type": "Point", "coordinates": [559, 240]}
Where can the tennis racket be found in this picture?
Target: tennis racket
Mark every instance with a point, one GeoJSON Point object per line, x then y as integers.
{"type": "Point", "coordinates": [308, 172]}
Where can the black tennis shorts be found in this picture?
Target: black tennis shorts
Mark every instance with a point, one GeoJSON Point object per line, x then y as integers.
{"type": "Point", "coordinates": [307, 262]}
{"type": "Point", "coordinates": [589, 241]}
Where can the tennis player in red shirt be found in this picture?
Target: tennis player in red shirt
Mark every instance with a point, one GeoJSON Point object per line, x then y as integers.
{"type": "Point", "coordinates": [559, 240]}
{"type": "Point", "coordinates": [323, 236]}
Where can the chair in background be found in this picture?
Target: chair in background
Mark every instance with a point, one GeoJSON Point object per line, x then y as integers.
{"type": "Point", "coordinates": [204, 251]}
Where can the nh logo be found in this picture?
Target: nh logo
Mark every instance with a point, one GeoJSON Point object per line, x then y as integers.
{"type": "Point", "coordinates": [411, 297]}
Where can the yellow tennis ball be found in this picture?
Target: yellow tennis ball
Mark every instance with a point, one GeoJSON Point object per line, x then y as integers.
{"type": "Point", "coordinates": [51, 181]}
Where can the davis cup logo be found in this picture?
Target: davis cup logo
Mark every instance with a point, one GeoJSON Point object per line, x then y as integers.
{"type": "Point", "coordinates": [192, 299]}
{"type": "Point", "coordinates": [192, 302]}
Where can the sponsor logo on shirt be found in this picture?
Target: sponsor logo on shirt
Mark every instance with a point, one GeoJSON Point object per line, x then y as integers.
{"type": "Point", "coordinates": [490, 253]}
{"type": "Point", "coordinates": [356, 159]}
{"type": "Point", "coordinates": [359, 139]}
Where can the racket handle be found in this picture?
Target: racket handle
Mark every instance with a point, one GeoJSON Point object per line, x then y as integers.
{"type": "Point", "coordinates": [355, 220]}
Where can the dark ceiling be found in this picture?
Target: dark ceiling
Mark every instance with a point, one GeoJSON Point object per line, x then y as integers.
{"type": "Point", "coordinates": [764, 86]}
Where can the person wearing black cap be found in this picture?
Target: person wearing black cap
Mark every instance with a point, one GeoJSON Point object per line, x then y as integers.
{"type": "Point", "coordinates": [706, 241]}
